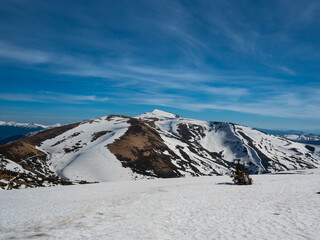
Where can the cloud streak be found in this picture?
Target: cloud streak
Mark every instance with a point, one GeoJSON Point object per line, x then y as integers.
{"type": "Point", "coordinates": [150, 80]}
{"type": "Point", "coordinates": [150, 77]}
{"type": "Point", "coordinates": [197, 56]}
{"type": "Point", "coordinates": [288, 105]}
{"type": "Point", "coordinates": [51, 97]}
{"type": "Point", "coordinates": [27, 56]}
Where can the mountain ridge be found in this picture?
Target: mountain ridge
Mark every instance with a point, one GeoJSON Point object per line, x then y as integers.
{"type": "Point", "coordinates": [156, 144]}
{"type": "Point", "coordinates": [11, 131]}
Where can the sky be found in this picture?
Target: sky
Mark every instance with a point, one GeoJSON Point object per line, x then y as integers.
{"type": "Point", "coordinates": [255, 62]}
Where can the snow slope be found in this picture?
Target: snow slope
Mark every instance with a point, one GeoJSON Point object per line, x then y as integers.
{"type": "Point", "coordinates": [158, 114]}
{"type": "Point", "coordinates": [80, 154]}
{"type": "Point", "coordinates": [282, 206]}
{"type": "Point", "coordinates": [220, 144]}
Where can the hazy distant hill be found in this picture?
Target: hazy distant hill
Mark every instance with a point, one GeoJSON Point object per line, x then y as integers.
{"type": "Point", "coordinates": [10, 131]}
{"type": "Point", "coordinates": [297, 136]}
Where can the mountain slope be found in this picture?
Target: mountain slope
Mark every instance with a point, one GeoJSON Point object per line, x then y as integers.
{"type": "Point", "coordinates": [23, 164]}
{"type": "Point", "coordinates": [157, 144]}
{"type": "Point", "coordinates": [223, 143]}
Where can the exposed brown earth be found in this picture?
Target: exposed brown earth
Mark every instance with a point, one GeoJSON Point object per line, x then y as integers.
{"type": "Point", "coordinates": [141, 148]}
{"type": "Point", "coordinates": [151, 122]}
{"type": "Point", "coordinates": [110, 117]}
{"type": "Point", "coordinates": [190, 131]}
{"type": "Point", "coordinates": [64, 139]}
{"type": "Point", "coordinates": [25, 148]}
{"type": "Point", "coordinates": [48, 134]}
{"type": "Point", "coordinates": [20, 150]}
{"type": "Point", "coordinates": [96, 135]}
{"type": "Point", "coordinates": [10, 180]}
{"type": "Point", "coordinates": [24, 153]}
{"type": "Point", "coordinates": [14, 179]}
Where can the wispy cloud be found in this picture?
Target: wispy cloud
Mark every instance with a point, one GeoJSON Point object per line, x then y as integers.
{"type": "Point", "coordinates": [283, 104]}
{"type": "Point", "coordinates": [151, 84]}
{"type": "Point", "coordinates": [287, 70]}
{"type": "Point", "coordinates": [51, 97]}
{"type": "Point", "coordinates": [145, 77]}
{"type": "Point", "coordinates": [27, 56]}
{"type": "Point", "coordinates": [195, 56]}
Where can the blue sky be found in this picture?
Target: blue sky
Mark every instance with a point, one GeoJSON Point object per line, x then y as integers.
{"type": "Point", "coordinates": [255, 63]}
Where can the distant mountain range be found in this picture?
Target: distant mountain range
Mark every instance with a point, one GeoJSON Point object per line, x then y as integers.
{"type": "Point", "coordinates": [303, 138]}
{"type": "Point", "coordinates": [151, 145]}
{"type": "Point", "coordinates": [10, 131]}
{"type": "Point", "coordinates": [297, 136]}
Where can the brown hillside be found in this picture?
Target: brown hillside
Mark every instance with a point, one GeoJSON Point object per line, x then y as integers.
{"type": "Point", "coordinates": [141, 148]}
{"type": "Point", "coordinates": [48, 134]}
{"type": "Point", "coordinates": [25, 148]}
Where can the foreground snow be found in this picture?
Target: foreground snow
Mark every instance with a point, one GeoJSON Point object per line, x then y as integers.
{"type": "Point", "coordinates": [284, 206]}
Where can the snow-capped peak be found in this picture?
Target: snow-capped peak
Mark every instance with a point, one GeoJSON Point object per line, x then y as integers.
{"type": "Point", "coordinates": [156, 113]}
{"type": "Point", "coordinates": [161, 113]}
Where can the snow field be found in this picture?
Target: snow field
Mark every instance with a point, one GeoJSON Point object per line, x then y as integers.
{"type": "Point", "coordinates": [93, 161]}
{"type": "Point", "coordinates": [284, 206]}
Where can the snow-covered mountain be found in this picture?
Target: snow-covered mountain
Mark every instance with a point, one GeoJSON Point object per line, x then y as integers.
{"type": "Point", "coordinates": [25, 125]}
{"type": "Point", "coordinates": [296, 136]}
{"type": "Point", "coordinates": [10, 131]}
{"type": "Point", "coordinates": [156, 144]}
{"type": "Point", "coordinates": [303, 138]}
